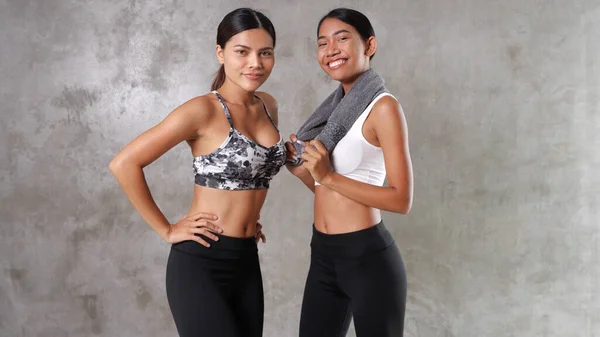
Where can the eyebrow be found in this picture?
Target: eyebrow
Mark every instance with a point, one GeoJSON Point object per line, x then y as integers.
{"type": "Point", "coordinates": [246, 47]}
{"type": "Point", "coordinates": [336, 33]}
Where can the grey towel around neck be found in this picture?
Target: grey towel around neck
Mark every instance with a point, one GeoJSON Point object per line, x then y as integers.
{"type": "Point", "coordinates": [330, 122]}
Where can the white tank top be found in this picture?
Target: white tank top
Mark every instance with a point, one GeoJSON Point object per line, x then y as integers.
{"type": "Point", "coordinates": [354, 157]}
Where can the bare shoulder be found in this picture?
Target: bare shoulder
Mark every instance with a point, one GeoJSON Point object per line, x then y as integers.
{"type": "Point", "coordinates": [269, 100]}
{"type": "Point", "coordinates": [271, 104]}
{"type": "Point", "coordinates": [387, 117]}
{"type": "Point", "coordinates": [387, 107]}
{"type": "Point", "coordinates": [194, 116]}
{"type": "Point", "coordinates": [197, 108]}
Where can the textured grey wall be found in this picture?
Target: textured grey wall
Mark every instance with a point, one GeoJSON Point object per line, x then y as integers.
{"type": "Point", "coordinates": [502, 100]}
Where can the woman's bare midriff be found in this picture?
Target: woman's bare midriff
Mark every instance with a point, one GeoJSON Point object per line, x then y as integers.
{"type": "Point", "coordinates": [237, 211]}
{"type": "Point", "coordinates": [337, 214]}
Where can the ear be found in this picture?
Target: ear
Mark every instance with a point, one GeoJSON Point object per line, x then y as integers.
{"type": "Point", "coordinates": [220, 57]}
{"type": "Point", "coordinates": [371, 46]}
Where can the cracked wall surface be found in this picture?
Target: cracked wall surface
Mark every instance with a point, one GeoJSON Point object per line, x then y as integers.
{"type": "Point", "coordinates": [502, 100]}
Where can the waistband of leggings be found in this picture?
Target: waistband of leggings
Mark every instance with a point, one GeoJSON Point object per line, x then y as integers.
{"type": "Point", "coordinates": [225, 244]}
{"type": "Point", "coordinates": [352, 244]}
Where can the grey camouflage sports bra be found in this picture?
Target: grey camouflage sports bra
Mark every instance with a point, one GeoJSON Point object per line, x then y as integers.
{"type": "Point", "coordinates": [239, 163]}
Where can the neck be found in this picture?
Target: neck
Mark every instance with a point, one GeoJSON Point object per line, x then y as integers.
{"type": "Point", "coordinates": [347, 84]}
{"type": "Point", "coordinates": [236, 95]}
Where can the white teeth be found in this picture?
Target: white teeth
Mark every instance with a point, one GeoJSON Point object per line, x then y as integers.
{"type": "Point", "coordinates": [336, 63]}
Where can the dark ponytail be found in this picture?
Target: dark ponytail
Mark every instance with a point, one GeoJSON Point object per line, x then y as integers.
{"type": "Point", "coordinates": [235, 22]}
{"type": "Point", "coordinates": [219, 79]}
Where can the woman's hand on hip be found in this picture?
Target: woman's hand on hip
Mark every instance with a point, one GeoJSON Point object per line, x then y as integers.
{"type": "Point", "coordinates": [259, 234]}
{"type": "Point", "coordinates": [187, 228]}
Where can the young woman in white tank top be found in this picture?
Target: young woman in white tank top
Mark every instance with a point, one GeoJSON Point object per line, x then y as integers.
{"type": "Point", "coordinates": [356, 269]}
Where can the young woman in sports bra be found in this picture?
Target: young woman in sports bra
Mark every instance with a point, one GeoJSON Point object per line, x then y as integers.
{"type": "Point", "coordinates": [356, 269]}
{"type": "Point", "coordinates": [213, 278]}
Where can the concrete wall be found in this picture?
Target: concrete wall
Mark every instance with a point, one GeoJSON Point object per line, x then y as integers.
{"type": "Point", "coordinates": [503, 104]}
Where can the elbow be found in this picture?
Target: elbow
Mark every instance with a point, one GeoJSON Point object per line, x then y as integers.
{"type": "Point", "coordinates": [402, 205]}
{"type": "Point", "coordinates": [402, 209]}
{"type": "Point", "coordinates": [405, 209]}
{"type": "Point", "coordinates": [117, 165]}
{"type": "Point", "coordinates": [122, 167]}
{"type": "Point", "coordinates": [114, 166]}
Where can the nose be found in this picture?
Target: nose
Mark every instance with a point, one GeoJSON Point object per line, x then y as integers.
{"type": "Point", "coordinates": [332, 49]}
{"type": "Point", "coordinates": [254, 61]}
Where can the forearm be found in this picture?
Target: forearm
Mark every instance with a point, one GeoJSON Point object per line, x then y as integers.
{"type": "Point", "coordinates": [308, 180]}
{"type": "Point", "coordinates": [392, 199]}
{"type": "Point", "coordinates": [304, 176]}
{"type": "Point", "coordinates": [133, 183]}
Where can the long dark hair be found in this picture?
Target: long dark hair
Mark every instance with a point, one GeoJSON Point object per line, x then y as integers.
{"type": "Point", "coordinates": [354, 18]}
{"type": "Point", "coordinates": [234, 23]}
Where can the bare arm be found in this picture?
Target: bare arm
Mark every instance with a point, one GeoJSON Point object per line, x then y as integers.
{"type": "Point", "coordinates": [391, 132]}
{"type": "Point", "coordinates": [127, 166]}
{"type": "Point", "coordinates": [304, 175]}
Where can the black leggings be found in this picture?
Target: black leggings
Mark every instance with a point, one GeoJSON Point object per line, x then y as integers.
{"type": "Point", "coordinates": [360, 275]}
{"type": "Point", "coordinates": [216, 291]}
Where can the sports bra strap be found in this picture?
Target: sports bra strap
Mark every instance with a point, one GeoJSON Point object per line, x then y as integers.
{"type": "Point", "coordinates": [225, 108]}
{"type": "Point", "coordinates": [228, 113]}
{"type": "Point", "coordinates": [267, 111]}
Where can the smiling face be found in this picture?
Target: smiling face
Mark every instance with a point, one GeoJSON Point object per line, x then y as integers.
{"type": "Point", "coordinates": [248, 58]}
{"type": "Point", "coordinates": [342, 52]}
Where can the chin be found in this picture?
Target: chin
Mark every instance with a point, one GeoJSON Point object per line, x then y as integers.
{"type": "Point", "coordinates": [337, 76]}
{"type": "Point", "coordinates": [333, 74]}
{"type": "Point", "coordinates": [250, 86]}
